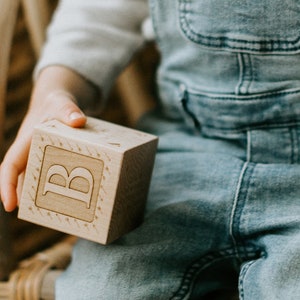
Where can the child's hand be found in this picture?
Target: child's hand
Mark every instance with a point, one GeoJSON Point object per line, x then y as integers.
{"type": "Point", "coordinates": [49, 101]}
{"type": "Point", "coordinates": [58, 106]}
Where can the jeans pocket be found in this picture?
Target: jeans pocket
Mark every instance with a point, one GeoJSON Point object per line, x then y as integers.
{"type": "Point", "coordinates": [252, 26]}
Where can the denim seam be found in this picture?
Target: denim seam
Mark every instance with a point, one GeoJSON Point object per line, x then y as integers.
{"type": "Point", "coordinates": [195, 269]}
{"type": "Point", "coordinates": [257, 46]}
{"type": "Point", "coordinates": [232, 97]}
{"type": "Point", "coordinates": [294, 145]}
{"type": "Point", "coordinates": [240, 129]}
{"type": "Point", "coordinates": [183, 96]}
{"type": "Point", "coordinates": [253, 97]}
{"type": "Point", "coordinates": [235, 204]}
{"type": "Point", "coordinates": [245, 66]}
{"type": "Point", "coordinates": [242, 277]}
{"type": "Point", "coordinates": [243, 274]}
{"type": "Point", "coordinates": [241, 73]}
{"type": "Point", "coordinates": [249, 142]}
{"type": "Point", "coordinates": [243, 185]}
{"type": "Point", "coordinates": [248, 71]}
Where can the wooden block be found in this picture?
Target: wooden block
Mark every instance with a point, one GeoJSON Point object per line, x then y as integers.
{"type": "Point", "coordinates": [91, 182]}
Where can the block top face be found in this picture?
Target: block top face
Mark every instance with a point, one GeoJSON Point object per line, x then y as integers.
{"type": "Point", "coordinates": [115, 137]}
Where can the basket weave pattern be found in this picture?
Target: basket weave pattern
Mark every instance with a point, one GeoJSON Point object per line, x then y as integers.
{"type": "Point", "coordinates": [27, 282]}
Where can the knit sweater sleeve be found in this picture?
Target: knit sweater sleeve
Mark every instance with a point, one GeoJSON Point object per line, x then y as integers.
{"type": "Point", "coordinates": [95, 38]}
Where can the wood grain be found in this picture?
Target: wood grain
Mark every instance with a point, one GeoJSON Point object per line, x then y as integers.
{"type": "Point", "coordinates": [91, 182]}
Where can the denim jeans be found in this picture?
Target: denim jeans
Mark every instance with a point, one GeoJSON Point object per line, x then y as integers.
{"type": "Point", "coordinates": [224, 204]}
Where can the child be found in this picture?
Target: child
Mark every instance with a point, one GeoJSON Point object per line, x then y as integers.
{"type": "Point", "coordinates": [225, 196]}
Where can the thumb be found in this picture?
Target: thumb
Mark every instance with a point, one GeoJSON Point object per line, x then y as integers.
{"type": "Point", "coordinates": [76, 118]}
{"type": "Point", "coordinates": [67, 111]}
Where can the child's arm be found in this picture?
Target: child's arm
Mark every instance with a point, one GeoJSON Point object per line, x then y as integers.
{"type": "Point", "coordinates": [55, 94]}
{"type": "Point", "coordinates": [95, 38]}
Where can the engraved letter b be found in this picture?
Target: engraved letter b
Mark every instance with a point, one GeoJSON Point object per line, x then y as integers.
{"type": "Point", "coordinates": [66, 189]}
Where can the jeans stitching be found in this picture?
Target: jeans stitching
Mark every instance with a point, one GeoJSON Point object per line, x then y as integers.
{"type": "Point", "coordinates": [241, 278]}
{"type": "Point", "coordinates": [249, 98]}
{"type": "Point", "coordinates": [294, 145]}
{"type": "Point", "coordinates": [243, 129]}
{"type": "Point", "coordinates": [246, 73]}
{"type": "Point", "coordinates": [195, 269]}
{"type": "Point", "coordinates": [246, 175]}
{"type": "Point", "coordinates": [235, 204]}
{"type": "Point", "coordinates": [257, 46]}
{"type": "Point", "coordinates": [243, 273]}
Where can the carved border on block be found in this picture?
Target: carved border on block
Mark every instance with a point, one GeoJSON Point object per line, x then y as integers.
{"type": "Point", "coordinates": [96, 229]}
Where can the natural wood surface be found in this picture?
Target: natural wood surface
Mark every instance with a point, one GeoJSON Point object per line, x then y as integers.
{"type": "Point", "coordinates": [91, 182]}
{"type": "Point", "coordinates": [8, 16]}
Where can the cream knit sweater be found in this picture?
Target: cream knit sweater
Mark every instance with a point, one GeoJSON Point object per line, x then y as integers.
{"type": "Point", "coordinates": [95, 38]}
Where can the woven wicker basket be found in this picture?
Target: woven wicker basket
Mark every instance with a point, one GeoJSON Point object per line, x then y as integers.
{"type": "Point", "coordinates": [34, 278]}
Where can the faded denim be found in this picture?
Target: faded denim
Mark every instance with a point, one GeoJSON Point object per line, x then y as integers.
{"type": "Point", "coordinates": [224, 204]}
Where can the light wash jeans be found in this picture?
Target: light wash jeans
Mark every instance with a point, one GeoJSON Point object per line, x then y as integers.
{"type": "Point", "coordinates": [224, 204]}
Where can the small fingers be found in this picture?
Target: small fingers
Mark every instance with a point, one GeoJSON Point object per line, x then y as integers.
{"type": "Point", "coordinates": [60, 106]}
{"type": "Point", "coordinates": [13, 165]}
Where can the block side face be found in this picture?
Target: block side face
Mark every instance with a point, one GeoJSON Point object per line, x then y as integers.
{"type": "Point", "coordinates": [133, 189]}
{"type": "Point", "coordinates": [84, 230]}
{"type": "Point", "coordinates": [70, 185]}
